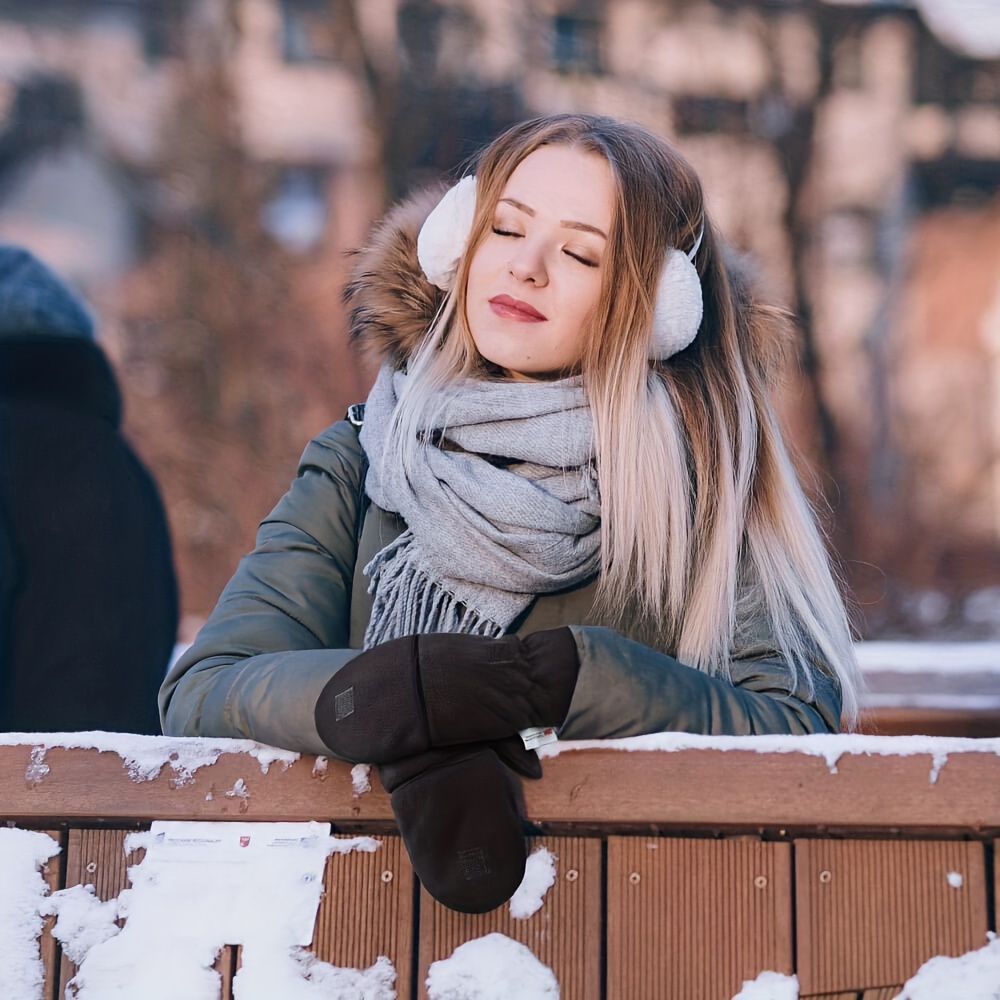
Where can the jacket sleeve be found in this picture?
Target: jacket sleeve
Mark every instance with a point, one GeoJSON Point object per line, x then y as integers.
{"type": "Point", "coordinates": [281, 627]}
{"type": "Point", "coordinates": [627, 689]}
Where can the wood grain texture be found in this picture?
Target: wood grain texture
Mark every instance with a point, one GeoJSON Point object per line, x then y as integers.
{"type": "Point", "coordinates": [695, 918]}
{"type": "Point", "coordinates": [595, 787]}
{"type": "Point", "coordinates": [870, 913]}
{"type": "Point", "coordinates": [52, 873]}
{"type": "Point", "coordinates": [367, 910]}
{"type": "Point", "coordinates": [83, 784]}
{"type": "Point", "coordinates": [97, 858]}
{"type": "Point", "coordinates": [850, 995]}
{"type": "Point", "coordinates": [565, 934]}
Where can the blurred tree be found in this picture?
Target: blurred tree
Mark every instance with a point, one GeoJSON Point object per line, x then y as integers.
{"type": "Point", "coordinates": [427, 120]}
{"type": "Point", "coordinates": [233, 358]}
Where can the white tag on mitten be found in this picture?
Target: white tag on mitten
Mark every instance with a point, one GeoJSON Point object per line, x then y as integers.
{"type": "Point", "coordinates": [537, 736]}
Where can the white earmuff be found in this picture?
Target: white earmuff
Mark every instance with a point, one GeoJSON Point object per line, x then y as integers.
{"type": "Point", "coordinates": [445, 233]}
{"type": "Point", "coordinates": [679, 306]}
{"type": "Point", "coordinates": [676, 315]}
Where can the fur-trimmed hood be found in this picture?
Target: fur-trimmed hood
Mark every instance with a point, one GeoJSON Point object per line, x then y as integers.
{"type": "Point", "coordinates": [391, 302]}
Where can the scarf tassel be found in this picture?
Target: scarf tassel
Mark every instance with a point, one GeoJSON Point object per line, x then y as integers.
{"type": "Point", "coordinates": [408, 601]}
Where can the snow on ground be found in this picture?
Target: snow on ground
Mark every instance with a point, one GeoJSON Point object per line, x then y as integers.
{"type": "Point", "coordinates": [770, 986]}
{"type": "Point", "coordinates": [972, 976]}
{"type": "Point", "coordinates": [494, 967]}
{"type": "Point", "coordinates": [22, 895]}
{"type": "Point", "coordinates": [200, 886]}
{"type": "Point", "coordinates": [539, 877]}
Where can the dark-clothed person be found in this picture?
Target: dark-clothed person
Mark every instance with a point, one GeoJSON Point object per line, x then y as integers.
{"type": "Point", "coordinates": [88, 595]}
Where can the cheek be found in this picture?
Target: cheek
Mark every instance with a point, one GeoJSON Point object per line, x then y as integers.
{"type": "Point", "coordinates": [485, 261]}
{"type": "Point", "coordinates": [586, 299]}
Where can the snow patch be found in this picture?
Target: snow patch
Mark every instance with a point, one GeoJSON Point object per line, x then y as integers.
{"type": "Point", "coordinates": [360, 782]}
{"type": "Point", "coordinates": [199, 887]}
{"type": "Point", "coordinates": [299, 975]}
{"type": "Point", "coordinates": [83, 921]}
{"type": "Point", "coordinates": [145, 756]}
{"type": "Point", "coordinates": [539, 877]}
{"type": "Point", "coordinates": [494, 967]}
{"type": "Point", "coordinates": [344, 845]}
{"type": "Point", "coordinates": [770, 986]}
{"type": "Point", "coordinates": [22, 895]}
{"type": "Point", "coordinates": [972, 976]}
{"type": "Point", "coordinates": [831, 747]}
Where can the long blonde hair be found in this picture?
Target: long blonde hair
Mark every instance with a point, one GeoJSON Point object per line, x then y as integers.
{"type": "Point", "coordinates": [704, 523]}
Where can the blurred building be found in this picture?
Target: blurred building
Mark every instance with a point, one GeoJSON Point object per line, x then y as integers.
{"type": "Point", "coordinates": [852, 148]}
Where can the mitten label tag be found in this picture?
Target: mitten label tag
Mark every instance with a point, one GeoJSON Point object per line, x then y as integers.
{"type": "Point", "coordinates": [537, 736]}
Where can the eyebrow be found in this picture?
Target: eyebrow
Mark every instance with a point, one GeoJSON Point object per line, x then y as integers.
{"type": "Point", "coordinates": [565, 223]}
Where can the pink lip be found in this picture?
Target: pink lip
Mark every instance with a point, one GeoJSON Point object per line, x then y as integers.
{"type": "Point", "coordinates": [510, 308]}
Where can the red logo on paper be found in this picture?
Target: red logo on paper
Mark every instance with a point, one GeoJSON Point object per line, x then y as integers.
{"type": "Point", "coordinates": [244, 841]}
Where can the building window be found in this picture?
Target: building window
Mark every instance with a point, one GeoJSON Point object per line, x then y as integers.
{"type": "Point", "coordinates": [162, 30]}
{"type": "Point", "coordinates": [576, 44]}
{"type": "Point", "coordinates": [308, 31]}
{"type": "Point", "coordinates": [296, 213]}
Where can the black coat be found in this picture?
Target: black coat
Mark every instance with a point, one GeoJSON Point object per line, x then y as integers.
{"type": "Point", "coordinates": [88, 595]}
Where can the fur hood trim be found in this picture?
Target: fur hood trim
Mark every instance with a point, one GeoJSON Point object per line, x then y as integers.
{"type": "Point", "coordinates": [391, 302]}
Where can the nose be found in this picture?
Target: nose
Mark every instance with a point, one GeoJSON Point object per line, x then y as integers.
{"type": "Point", "coordinates": [528, 264]}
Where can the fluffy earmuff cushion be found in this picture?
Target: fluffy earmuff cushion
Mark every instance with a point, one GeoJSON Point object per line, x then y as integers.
{"type": "Point", "coordinates": [445, 234]}
{"type": "Point", "coordinates": [678, 309]}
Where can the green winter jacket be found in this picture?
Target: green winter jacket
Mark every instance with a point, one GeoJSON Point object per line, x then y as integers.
{"type": "Point", "coordinates": [295, 612]}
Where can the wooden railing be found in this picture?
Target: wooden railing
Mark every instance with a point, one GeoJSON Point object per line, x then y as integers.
{"type": "Point", "coordinates": [681, 872]}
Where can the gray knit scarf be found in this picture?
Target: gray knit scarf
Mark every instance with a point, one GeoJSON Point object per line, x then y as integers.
{"type": "Point", "coordinates": [501, 505]}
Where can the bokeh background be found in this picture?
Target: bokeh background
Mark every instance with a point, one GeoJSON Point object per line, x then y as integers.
{"type": "Point", "coordinates": [199, 169]}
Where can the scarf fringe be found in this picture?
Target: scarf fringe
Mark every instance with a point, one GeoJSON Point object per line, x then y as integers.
{"type": "Point", "coordinates": [408, 601]}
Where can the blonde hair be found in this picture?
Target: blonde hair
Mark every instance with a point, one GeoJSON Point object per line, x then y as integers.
{"type": "Point", "coordinates": [704, 523]}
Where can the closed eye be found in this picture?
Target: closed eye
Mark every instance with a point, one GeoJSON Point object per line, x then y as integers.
{"type": "Point", "coordinates": [583, 260]}
{"type": "Point", "coordinates": [505, 232]}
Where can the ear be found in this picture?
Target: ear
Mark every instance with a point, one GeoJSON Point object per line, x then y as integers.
{"type": "Point", "coordinates": [445, 233]}
{"type": "Point", "coordinates": [678, 309]}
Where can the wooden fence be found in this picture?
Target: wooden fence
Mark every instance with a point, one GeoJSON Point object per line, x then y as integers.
{"type": "Point", "coordinates": [681, 873]}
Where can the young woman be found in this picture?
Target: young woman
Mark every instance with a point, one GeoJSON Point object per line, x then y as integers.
{"type": "Point", "coordinates": [568, 505]}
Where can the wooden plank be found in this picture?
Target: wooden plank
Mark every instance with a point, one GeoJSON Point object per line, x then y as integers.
{"type": "Point", "coordinates": [83, 784]}
{"type": "Point", "coordinates": [775, 790]}
{"type": "Point", "coordinates": [881, 993]}
{"type": "Point", "coordinates": [97, 858]}
{"type": "Point", "coordinates": [590, 787]}
{"type": "Point", "coordinates": [695, 918]}
{"type": "Point", "coordinates": [870, 913]}
{"type": "Point", "coordinates": [565, 934]}
{"type": "Point", "coordinates": [52, 873]}
{"type": "Point", "coordinates": [979, 724]}
{"type": "Point", "coordinates": [367, 910]}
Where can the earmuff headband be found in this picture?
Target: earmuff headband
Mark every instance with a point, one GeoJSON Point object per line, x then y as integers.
{"type": "Point", "coordinates": [677, 312]}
